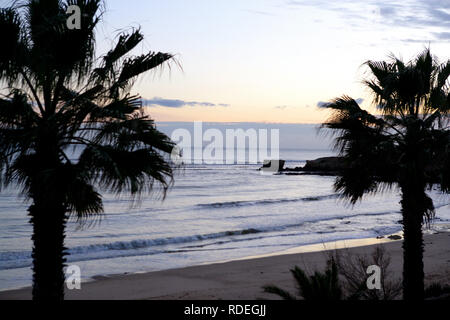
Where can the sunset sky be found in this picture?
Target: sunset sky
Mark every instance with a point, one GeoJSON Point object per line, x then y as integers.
{"type": "Point", "coordinates": [270, 60]}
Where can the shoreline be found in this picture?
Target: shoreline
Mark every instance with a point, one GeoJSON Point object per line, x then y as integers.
{"type": "Point", "coordinates": [243, 278]}
{"type": "Point", "coordinates": [324, 246]}
{"type": "Point", "coordinates": [304, 248]}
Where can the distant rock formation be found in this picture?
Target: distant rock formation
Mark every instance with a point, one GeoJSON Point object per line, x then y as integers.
{"type": "Point", "coordinates": [328, 166]}
{"type": "Point", "coordinates": [325, 166]}
{"type": "Point", "coordinates": [334, 166]}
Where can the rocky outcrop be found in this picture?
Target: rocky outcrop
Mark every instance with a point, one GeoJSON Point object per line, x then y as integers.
{"type": "Point", "coordinates": [326, 166]}
{"type": "Point", "coordinates": [334, 166]}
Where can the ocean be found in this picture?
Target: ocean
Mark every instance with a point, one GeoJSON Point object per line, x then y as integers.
{"type": "Point", "coordinates": [212, 213]}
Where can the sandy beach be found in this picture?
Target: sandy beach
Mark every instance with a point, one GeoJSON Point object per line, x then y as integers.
{"type": "Point", "coordinates": [243, 279]}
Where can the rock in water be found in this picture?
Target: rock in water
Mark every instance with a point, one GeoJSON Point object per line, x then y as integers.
{"type": "Point", "coordinates": [328, 164]}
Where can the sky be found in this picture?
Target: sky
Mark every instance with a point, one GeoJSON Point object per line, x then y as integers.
{"type": "Point", "coordinates": [269, 61]}
{"type": "Point", "coordinates": [290, 136]}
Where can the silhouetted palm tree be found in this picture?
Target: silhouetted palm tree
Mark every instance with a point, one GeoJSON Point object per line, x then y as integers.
{"type": "Point", "coordinates": [318, 286]}
{"type": "Point", "coordinates": [61, 97]}
{"type": "Point", "coordinates": [408, 145]}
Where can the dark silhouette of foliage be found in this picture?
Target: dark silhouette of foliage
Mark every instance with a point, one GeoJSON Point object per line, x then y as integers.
{"type": "Point", "coordinates": [345, 278]}
{"type": "Point", "coordinates": [407, 145]}
{"type": "Point", "coordinates": [353, 268]}
{"type": "Point", "coordinates": [319, 286]}
{"type": "Point", "coordinates": [437, 291]}
{"type": "Point", "coordinates": [62, 97]}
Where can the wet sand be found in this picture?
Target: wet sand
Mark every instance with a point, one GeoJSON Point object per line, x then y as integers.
{"type": "Point", "coordinates": [243, 279]}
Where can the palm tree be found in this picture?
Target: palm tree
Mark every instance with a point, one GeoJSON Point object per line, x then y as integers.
{"type": "Point", "coordinates": [407, 146]}
{"type": "Point", "coordinates": [316, 287]}
{"type": "Point", "coordinates": [60, 97]}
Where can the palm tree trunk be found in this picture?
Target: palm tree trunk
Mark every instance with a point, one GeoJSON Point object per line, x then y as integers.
{"type": "Point", "coordinates": [48, 218]}
{"type": "Point", "coordinates": [48, 251]}
{"type": "Point", "coordinates": [413, 274]}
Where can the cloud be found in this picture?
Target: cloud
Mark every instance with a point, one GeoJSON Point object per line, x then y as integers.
{"type": "Point", "coordinates": [322, 104]}
{"type": "Point", "coordinates": [424, 41]}
{"type": "Point", "coordinates": [387, 11]}
{"type": "Point", "coordinates": [418, 14]}
{"type": "Point", "coordinates": [259, 12]}
{"type": "Point", "coordinates": [283, 107]}
{"type": "Point", "coordinates": [176, 103]}
{"type": "Point", "coordinates": [442, 35]}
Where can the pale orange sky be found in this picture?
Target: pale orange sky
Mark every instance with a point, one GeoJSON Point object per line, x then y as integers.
{"type": "Point", "coordinates": [271, 60]}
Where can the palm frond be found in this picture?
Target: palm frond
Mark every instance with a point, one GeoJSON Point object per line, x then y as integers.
{"type": "Point", "coordinates": [119, 170]}
{"type": "Point", "coordinates": [317, 287]}
{"type": "Point", "coordinates": [13, 54]}
{"type": "Point", "coordinates": [16, 112]}
{"type": "Point", "coordinates": [84, 103]}
{"type": "Point", "coordinates": [126, 42]}
{"type": "Point", "coordinates": [285, 295]}
{"type": "Point", "coordinates": [443, 74]}
{"type": "Point", "coordinates": [133, 67]}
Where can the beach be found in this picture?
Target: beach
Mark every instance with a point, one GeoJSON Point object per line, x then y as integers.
{"type": "Point", "coordinates": [243, 279]}
{"type": "Point", "coordinates": [213, 213]}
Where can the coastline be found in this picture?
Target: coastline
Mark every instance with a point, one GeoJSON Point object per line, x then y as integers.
{"type": "Point", "coordinates": [242, 279]}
